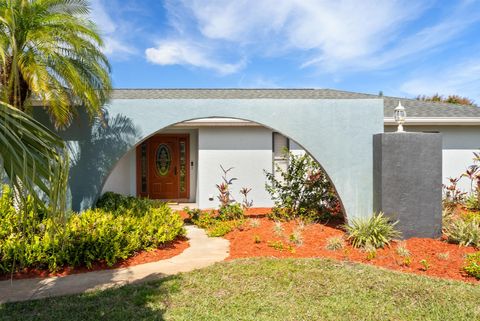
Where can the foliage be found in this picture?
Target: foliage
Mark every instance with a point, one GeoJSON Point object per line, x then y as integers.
{"type": "Point", "coordinates": [93, 235]}
{"type": "Point", "coordinates": [34, 159]}
{"type": "Point", "coordinates": [335, 243]}
{"type": "Point", "coordinates": [302, 190]}
{"type": "Point", "coordinates": [231, 212]}
{"type": "Point", "coordinates": [278, 228]}
{"type": "Point", "coordinates": [450, 99]}
{"type": "Point", "coordinates": [254, 222]}
{"type": "Point", "coordinates": [52, 52]}
{"type": "Point", "coordinates": [246, 203]}
{"type": "Point", "coordinates": [117, 203]}
{"type": "Point", "coordinates": [472, 266]}
{"type": "Point", "coordinates": [225, 197]}
{"type": "Point", "coordinates": [452, 194]}
{"type": "Point", "coordinates": [215, 225]}
{"type": "Point", "coordinates": [425, 264]}
{"type": "Point", "coordinates": [376, 230]}
{"type": "Point", "coordinates": [462, 232]}
{"type": "Point", "coordinates": [402, 250]}
{"type": "Point", "coordinates": [296, 237]}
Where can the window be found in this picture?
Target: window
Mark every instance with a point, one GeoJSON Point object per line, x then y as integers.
{"type": "Point", "coordinates": [280, 145]}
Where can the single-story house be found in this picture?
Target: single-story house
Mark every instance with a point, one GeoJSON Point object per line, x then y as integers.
{"type": "Point", "coordinates": [181, 162]}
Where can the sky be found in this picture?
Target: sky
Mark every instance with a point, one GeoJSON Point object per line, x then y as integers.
{"type": "Point", "coordinates": [403, 48]}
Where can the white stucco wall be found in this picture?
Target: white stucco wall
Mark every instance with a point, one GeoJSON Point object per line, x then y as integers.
{"type": "Point", "coordinates": [248, 150]}
{"type": "Point", "coordinates": [459, 143]}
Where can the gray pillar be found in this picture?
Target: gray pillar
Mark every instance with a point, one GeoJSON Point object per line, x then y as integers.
{"type": "Point", "coordinates": [407, 180]}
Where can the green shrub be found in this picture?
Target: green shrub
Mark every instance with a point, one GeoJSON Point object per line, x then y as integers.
{"type": "Point", "coordinates": [231, 212]}
{"type": "Point", "coordinates": [463, 232]}
{"type": "Point", "coordinates": [376, 231]}
{"type": "Point", "coordinates": [302, 190]}
{"type": "Point", "coordinates": [26, 240]}
{"type": "Point", "coordinates": [118, 204]}
{"type": "Point", "coordinates": [472, 266]}
{"type": "Point", "coordinates": [218, 224]}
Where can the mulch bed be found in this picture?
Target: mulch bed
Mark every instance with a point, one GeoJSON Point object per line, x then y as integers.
{"type": "Point", "coordinates": [167, 251]}
{"type": "Point", "coordinates": [444, 260]}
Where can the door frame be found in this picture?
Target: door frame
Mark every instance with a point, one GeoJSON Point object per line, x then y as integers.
{"type": "Point", "coordinates": [186, 138]}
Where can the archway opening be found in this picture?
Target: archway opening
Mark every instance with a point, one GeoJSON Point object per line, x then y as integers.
{"type": "Point", "coordinates": [183, 163]}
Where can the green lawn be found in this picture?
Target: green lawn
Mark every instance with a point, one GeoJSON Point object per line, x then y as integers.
{"type": "Point", "coordinates": [268, 289]}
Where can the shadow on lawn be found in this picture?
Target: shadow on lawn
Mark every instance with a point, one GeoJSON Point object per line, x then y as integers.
{"type": "Point", "coordinates": [145, 299]}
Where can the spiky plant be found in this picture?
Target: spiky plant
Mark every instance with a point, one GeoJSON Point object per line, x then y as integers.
{"type": "Point", "coordinates": [376, 231]}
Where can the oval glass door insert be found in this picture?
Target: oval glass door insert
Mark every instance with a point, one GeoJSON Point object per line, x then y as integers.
{"type": "Point", "coordinates": [163, 160]}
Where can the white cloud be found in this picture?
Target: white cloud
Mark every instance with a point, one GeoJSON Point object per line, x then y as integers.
{"type": "Point", "coordinates": [176, 52]}
{"type": "Point", "coordinates": [462, 78]}
{"type": "Point", "coordinates": [342, 35]}
{"type": "Point", "coordinates": [115, 44]}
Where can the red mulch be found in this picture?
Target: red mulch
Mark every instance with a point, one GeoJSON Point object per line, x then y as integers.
{"type": "Point", "coordinates": [167, 251]}
{"type": "Point", "coordinates": [242, 245]}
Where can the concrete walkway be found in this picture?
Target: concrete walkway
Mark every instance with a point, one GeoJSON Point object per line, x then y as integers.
{"type": "Point", "coordinates": [203, 251]}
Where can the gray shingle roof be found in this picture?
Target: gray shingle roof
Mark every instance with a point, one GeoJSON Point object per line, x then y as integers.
{"type": "Point", "coordinates": [414, 107]}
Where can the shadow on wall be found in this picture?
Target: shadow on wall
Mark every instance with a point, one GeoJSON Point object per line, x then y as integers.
{"type": "Point", "coordinates": [92, 153]}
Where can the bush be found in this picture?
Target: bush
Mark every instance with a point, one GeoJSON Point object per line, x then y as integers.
{"type": "Point", "coordinates": [376, 231]}
{"type": "Point", "coordinates": [231, 212]}
{"type": "Point", "coordinates": [27, 240]}
{"type": "Point", "coordinates": [472, 266]}
{"type": "Point", "coordinates": [215, 225]}
{"type": "Point", "coordinates": [303, 190]}
{"type": "Point", "coordinates": [464, 232]}
{"type": "Point", "coordinates": [118, 204]}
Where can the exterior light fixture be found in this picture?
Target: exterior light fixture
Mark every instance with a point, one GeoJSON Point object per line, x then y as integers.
{"type": "Point", "coordinates": [399, 115]}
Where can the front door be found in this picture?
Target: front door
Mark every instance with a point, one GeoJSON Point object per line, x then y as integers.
{"type": "Point", "coordinates": [167, 167]}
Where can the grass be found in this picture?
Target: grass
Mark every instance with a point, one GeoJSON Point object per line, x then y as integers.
{"type": "Point", "coordinates": [268, 289]}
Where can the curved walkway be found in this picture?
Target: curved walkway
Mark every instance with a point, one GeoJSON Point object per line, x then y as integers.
{"type": "Point", "coordinates": [203, 251]}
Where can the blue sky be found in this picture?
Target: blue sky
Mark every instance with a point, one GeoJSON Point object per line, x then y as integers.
{"type": "Point", "coordinates": [401, 47]}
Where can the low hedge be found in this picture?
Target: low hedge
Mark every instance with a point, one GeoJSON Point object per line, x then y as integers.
{"type": "Point", "coordinates": [27, 241]}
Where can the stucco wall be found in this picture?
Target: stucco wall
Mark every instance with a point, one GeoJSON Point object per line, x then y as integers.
{"type": "Point", "coordinates": [458, 144]}
{"type": "Point", "coordinates": [248, 150]}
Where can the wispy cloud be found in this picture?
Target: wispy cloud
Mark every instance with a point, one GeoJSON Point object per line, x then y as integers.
{"type": "Point", "coordinates": [116, 44]}
{"type": "Point", "coordinates": [175, 52]}
{"type": "Point", "coordinates": [462, 78]}
{"type": "Point", "coordinates": [333, 36]}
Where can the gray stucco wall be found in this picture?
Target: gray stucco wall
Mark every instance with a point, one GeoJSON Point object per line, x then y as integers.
{"type": "Point", "coordinates": [408, 181]}
{"type": "Point", "coordinates": [337, 133]}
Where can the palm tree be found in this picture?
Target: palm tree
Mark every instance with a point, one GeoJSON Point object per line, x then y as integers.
{"type": "Point", "coordinates": [34, 158]}
{"type": "Point", "coordinates": [50, 52]}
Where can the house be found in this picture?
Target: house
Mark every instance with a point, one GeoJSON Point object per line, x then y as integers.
{"type": "Point", "coordinates": [181, 162]}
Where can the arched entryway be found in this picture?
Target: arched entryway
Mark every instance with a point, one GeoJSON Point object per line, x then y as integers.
{"type": "Point", "coordinates": [337, 134]}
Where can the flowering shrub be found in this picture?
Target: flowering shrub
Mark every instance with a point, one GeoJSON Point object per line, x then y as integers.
{"type": "Point", "coordinates": [302, 190]}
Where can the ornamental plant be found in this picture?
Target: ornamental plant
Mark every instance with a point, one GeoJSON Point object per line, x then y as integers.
{"type": "Point", "coordinates": [302, 190]}
{"type": "Point", "coordinates": [472, 266]}
{"type": "Point", "coordinates": [374, 231]}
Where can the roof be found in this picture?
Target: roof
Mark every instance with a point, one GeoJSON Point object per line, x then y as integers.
{"type": "Point", "coordinates": [414, 108]}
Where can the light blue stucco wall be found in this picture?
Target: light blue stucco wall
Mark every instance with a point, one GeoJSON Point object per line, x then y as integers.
{"type": "Point", "coordinates": [337, 133]}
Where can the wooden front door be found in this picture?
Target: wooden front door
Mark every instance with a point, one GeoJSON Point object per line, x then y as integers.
{"type": "Point", "coordinates": [164, 167]}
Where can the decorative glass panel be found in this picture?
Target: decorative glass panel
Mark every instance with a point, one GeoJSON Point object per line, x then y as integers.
{"type": "Point", "coordinates": [143, 164]}
{"type": "Point", "coordinates": [183, 167]}
{"type": "Point", "coordinates": [163, 159]}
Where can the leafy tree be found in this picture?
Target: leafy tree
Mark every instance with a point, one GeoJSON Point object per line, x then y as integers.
{"type": "Point", "coordinates": [451, 99]}
{"type": "Point", "coordinates": [51, 52]}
